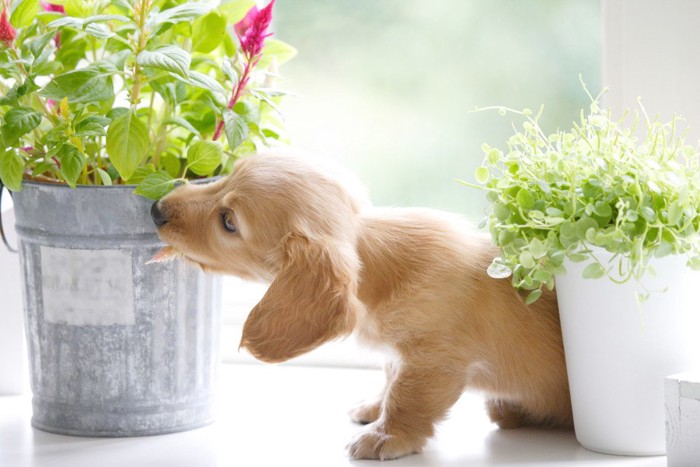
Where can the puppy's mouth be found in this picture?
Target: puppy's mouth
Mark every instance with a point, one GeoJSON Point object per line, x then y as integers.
{"type": "Point", "coordinates": [165, 254]}
{"type": "Point", "coordinates": [170, 253]}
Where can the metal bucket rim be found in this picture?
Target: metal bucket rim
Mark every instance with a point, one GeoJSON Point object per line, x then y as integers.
{"type": "Point", "coordinates": [59, 185]}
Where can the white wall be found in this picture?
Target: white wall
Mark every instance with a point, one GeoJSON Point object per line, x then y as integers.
{"type": "Point", "coordinates": [651, 48]}
{"type": "Point", "coordinates": [13, 355]}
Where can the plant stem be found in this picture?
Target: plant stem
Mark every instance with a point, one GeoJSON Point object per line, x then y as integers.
{"type": "Point", "coordinates": [237, 90]}
{"type": "Point", "coordinates": [142, 12]}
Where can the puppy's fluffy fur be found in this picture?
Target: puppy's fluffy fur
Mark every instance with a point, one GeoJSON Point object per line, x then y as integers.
{"type": "Point", "coordinates": [409, 280]}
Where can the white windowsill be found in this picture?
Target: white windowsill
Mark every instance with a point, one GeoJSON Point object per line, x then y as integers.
{"type": "Point", "coordinates": [271, 415]}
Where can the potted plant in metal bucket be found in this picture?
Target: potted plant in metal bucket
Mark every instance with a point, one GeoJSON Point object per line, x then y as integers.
{"type": "Point", "coordinates": [104, 104]}
{"type": "Point", "coordinates": [612, 221]}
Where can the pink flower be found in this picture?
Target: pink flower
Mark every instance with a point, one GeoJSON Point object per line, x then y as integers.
{"type": "Point", "coordinates": [58, 9]}
{"type": "Point", "coordinates": [7, 32]}
{"type": "Point", "coordinates": [51, 7]}
{"type": "Point", "coordinates": [252, 30]}
{"type": "Point", "coordinates": [242, 26]}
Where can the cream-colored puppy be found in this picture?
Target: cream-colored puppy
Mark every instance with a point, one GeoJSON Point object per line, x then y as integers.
{"type": "Point", "coordinates": [409, 280]}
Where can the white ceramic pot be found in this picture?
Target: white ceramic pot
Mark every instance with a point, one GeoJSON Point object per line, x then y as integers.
{"type": "Point", "coordinates": [618, 352]}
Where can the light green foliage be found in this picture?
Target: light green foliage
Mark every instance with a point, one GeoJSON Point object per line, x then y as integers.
{"type": "Point", "coordinates": [203, 157]}
{"type": "Point", "coordinates": [131, 92]}
{"type": "Point", "coordinates": [594, 185]}
{"type": "Point", "coordinates": [127, 143]}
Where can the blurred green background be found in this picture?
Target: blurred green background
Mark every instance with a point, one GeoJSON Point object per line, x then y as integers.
{"type": "Point", "coordinates": [386, 86]}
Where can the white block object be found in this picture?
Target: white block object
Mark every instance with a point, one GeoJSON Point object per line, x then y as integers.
{"type": "Point", "coordinates": [13, 354]}
{"type": "Point", "coordinates": [683, 420]}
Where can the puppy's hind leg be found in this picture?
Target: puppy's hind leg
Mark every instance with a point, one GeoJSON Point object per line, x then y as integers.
{"type": "Point", "coordinates": [417, 398]}
{"type": "Point", "coordinates": [509, 414]}
{"type": "Point", "coordinates": [505, 414]}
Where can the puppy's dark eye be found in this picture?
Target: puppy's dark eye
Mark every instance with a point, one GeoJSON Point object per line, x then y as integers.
{"type": "Point", "coordinates": [227, 220]}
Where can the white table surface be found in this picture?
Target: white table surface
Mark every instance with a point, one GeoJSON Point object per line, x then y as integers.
{"type": "Point", "coordinates": [294, 416]}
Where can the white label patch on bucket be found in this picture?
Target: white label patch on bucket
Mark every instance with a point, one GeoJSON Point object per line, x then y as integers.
{"type": "Point", "coordinates": [87, 287]}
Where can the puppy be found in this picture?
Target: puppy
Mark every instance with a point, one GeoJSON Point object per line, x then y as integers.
{"type": "Point", "coordinates": [412, 281]}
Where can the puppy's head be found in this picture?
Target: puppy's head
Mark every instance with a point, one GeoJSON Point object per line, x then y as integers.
{"type": "Point", "coordinates": [279, 218]}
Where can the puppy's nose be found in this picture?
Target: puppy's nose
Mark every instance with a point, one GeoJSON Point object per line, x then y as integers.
{"type": "Point", "coordinates": [158, 217]}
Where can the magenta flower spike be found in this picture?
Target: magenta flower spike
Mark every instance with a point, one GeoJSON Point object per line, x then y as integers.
{"type": "Point", "coordinates": [242, 26]}
{"type": "Point", "coordinates": [252, 30]}
{"type": "Point", "coordinates": [7, 32]}
{"type": "Point", "coordinates": [51, 7]}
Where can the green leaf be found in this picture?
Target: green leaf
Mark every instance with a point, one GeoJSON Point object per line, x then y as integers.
{"type": "Point", "coordinates": [501, 212]}
{"type": "Point", "coordinates": [127, 143]}
{"type": "Point", "coordinates": [675, 212]}
{"type": "Point", "coordinates": [694, 263]}
{"type": "Point", "coordinates": [593, 271]}
{"type": "Point", "coordinates": [169, 58]}
{"type": "Point", "coordinates": [18, 122]}
{"type": "Point", "coordinates": [37, 46]}
{"type": "Point", "coordinates": [92, 25]}
{"type": "Point", "coordinates": [554, 212]}
{"type": "Point", "coordinates": [482, 174]}
{"type": "Point", "coordinates": [156, 185]}
{"type": "Point", "coordinates": [527, 260]}
{"type": "Point", "coordinates": [663, 250]}
{"type": "Point", "coordinates": [203, 81]}
{"type": "Point", "coordinates": [177, 14]}
{"type": "Point", "coordinates": [93, 125]}
{"type": "Point", "coordinates": [229, 46]}
{"type": "Point", "coordinates": [276, 51]}
{"type": "Point", "coordinates": [498, 270]}
{"type": "Point", "coordinates": [525, 199]}
{"type": "Point", "coordinates": [78, 8]}
{"type": "Point", "coordinates": [104, 177]}
{"type": "Point", "coordinates": [66, 21]}
{"type": "Point", "coordinates": [141, 173]}
{"type": "Point", "coordinates": [648, 214]}
{"type": "Point", "coordinates": [235, 128]}
{"type": "Point", "coordinates": [91, 84]}
{"type": "Point", "coordinates": [235, 10]}
{"type": "Point", "coordinates": [11, 169]}
{"type": "Point", "coordinates": [583, 225]}
{"type": "Point", "coordinates": [537, 248]}
{"type": "Point", "coordinates": [603, 209]}
{"type": "Point", "coordinates": [72, 163]}
{"type": "Point", "coordinates": [208, 31]}
{"type": "Point", "coordinates": [171, 164]}
{"type": "Point", "coordinates": [24, 13]}
{"type": "Point", "coordinates": [105, 18]}
{"type": "Point", "coordinates": [203, 157]}
{"type": "Point", "coordinates": [533, 296]}
{"type": "Point", "coordinates": [181, 122]}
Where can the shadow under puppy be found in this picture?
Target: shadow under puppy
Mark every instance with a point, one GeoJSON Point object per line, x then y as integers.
{"type": "Point", "coordinates": [411, 281]}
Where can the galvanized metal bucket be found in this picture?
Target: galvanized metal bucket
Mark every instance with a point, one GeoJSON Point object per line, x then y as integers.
{"type": "Point", "coordinates": [117, 347]}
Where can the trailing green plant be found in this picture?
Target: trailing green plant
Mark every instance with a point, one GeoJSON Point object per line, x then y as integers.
{"type": "Point", "coordinates": [135, 92]}
{"type": "Point", "coordinates": [593, 186]}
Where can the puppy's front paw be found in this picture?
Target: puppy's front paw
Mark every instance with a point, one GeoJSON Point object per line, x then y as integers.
{"type": "Point", "coordinates": [374, 442]}
{"type": "Point", "coordinates": [366, 413]}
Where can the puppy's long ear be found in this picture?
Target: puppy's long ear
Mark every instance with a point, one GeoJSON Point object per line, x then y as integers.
{"type": "Point", "coordinates": [312, 300]}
